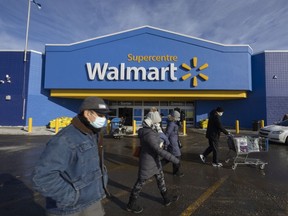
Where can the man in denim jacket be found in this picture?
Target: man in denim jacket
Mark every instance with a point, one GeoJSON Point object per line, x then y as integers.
{"type": "Point", "coordinates": [70, 172]}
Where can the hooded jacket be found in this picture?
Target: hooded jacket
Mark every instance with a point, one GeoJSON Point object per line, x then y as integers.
{"type": "Point", "coordinates": [173, 136]}
{"type": "Point", "coordinates": [149, 162]}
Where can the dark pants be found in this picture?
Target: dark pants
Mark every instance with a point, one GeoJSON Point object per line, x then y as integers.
{"type": "Point", "coordinates": [175, 167]}
{"type": "Point", "coordinates": [141, 182]}
{"type": "Point", "coordinates": [213, 147]}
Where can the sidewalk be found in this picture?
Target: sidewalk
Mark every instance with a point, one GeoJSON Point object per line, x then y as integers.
{"type": "Point", "coordinates": [20, 130]}
{"type": "Point", "coordinates": [42, 130]}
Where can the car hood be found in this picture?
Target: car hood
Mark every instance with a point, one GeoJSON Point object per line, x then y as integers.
{"type": "Point", "coordinates": [275, 128]}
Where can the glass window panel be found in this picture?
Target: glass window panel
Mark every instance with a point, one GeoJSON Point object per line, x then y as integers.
{"type": "Point", "coordinates": [138, 119]}
{"type": "Point", "coordinates": [137, 112]}
{"type": "Point", "coordinates": [146, 111]}
{"type": "Point", "coordinates": [165, 112]}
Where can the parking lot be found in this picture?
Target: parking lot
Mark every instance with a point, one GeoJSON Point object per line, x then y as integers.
{"type": "Point", "coordinates": [204, 190]}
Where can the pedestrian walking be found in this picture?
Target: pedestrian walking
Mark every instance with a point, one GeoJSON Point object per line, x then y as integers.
{"type": "Point", "coordinates": [156, 117]}
{"type": "Point", "coordinates": [70, 172]}
{"type": "Point", "coordinates": [172, 132]}
{"type": "Point", "coordinates": [150, 165]}
{"type": "Point", "coordinates": [213, 135]}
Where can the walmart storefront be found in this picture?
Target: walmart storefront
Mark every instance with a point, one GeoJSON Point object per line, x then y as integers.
{"type": "Point", "coordinates": [137, 69]}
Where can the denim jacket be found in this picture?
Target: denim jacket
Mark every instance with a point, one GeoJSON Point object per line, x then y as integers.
{"type": "Point", "coordinates": [69, 172]}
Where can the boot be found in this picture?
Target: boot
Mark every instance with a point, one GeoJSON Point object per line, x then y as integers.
{"type": "Point", "coordinates": [133, 207]}
{"type": "Point", "coordinates": [167, 199]}
{"type": "Point", "coordinates": [177, 171]}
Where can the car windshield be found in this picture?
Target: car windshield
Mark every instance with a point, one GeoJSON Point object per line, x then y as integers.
{"type": "Point", "coordinates": [283, 123]}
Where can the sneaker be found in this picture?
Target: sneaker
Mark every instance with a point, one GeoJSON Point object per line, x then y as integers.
{"type": "Point", "coordinates": [203, 159]}
{"type": "Point", "coordinates": [135, 209]}
{"type": "Point", "coordinates": [171, 200]}
{"type": "Point", "coordinates": [179, 174]}
{"type": "Point", "coordinates": [217, 164]}
{"type": "Point", "coordinates": [168, 201]}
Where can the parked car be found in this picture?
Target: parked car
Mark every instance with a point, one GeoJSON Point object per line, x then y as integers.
{"type": "Point", "coordinates": [276, 133]}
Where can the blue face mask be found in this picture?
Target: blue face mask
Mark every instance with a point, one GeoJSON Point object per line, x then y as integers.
{"type": "Point", "coordinates": [99, 122]}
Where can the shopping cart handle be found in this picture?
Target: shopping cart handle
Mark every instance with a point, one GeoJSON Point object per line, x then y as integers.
{"type": "Point", "coordinates": [230, 135]}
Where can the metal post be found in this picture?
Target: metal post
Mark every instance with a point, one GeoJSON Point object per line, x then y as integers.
{"type": "Point", "coordinates": [25, 55]}
{"type": "Point", "coordinates": [237, 126]}
{"type": "Point", "coordinates": [27, 31]}
{"type": "Point", "coordinates": [57, 125]}
{"type": "Point", "coordinates": [29, 125]}
{"type": "Point", "coordinates": [262, 123]}
{"type": "Point", "coordinates": [134, 127]}
{"type": "Point", "coordinates": [184, 128]}
{"type": "Point", "coordinates": [108, 128]}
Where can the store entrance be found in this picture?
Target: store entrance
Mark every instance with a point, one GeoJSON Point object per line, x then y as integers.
{"type": "Point", "coordinates": [127, 113]}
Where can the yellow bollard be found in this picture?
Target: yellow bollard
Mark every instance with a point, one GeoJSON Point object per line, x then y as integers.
{"type": "Point", "coordinates": [56, 125]}
{"type": "Point", "coordinates": [108, 128]}
{"type": "Point", "coordinates": [134, 127]}
{"type": "Point", "coordinates": [262, 123]}
{"type": "Point", "coordinates": [237, 126]}
{"type": "Point", "coordinates": [184, 128]}
{"type": "Point", "coordinates": [29, 125]}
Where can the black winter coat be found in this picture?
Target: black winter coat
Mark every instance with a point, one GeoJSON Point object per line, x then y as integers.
{"type": "Point", "coordinates": [149, 162]}
{"type": "Point", "coordinates": [214, 126]}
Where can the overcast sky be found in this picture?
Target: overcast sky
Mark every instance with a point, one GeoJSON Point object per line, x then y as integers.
{"type": "Point", "coordinates": [262, 24]}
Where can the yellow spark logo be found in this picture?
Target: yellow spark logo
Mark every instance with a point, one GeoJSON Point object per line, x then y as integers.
{"type": "Point", "coordinates": [199, 75]}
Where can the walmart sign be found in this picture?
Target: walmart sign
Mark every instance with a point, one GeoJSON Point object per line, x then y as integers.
{"type": "Point", "coordinates": [123, 73]}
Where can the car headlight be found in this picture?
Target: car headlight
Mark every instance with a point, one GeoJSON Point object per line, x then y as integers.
{"type": "Point", "coordinates": [278, 132]}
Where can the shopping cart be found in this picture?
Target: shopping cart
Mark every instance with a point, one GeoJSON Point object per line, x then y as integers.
{"type": "Point", "coordinates": [243, 146]}
{"type": "Point", "coordinates": [118, 130]}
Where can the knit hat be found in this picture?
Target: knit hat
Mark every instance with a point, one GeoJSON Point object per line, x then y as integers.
{"type": "Point", "coordinates": [96, 104]}
{"type": "Point", "coordinates": [147, 122]}
{"type": "Point", "coordinates": [176, 115]}
{"type": "Point", "coordinates": [219, 109]}
{"type": "Point", "coordinates": [154, 116]}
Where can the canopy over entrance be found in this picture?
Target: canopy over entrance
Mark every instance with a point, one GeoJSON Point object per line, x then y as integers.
{"type": "Point", "coordinates": [150, 94]}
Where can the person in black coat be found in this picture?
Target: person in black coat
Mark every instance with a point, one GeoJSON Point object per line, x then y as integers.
{"type": "Point", "coordinates": [150, 165]}
{"type": "Point", "coordinates": [213, 135]}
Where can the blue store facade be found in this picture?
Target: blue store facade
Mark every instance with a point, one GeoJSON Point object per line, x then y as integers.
{"type": "Point", "coordinates": [140, 68]}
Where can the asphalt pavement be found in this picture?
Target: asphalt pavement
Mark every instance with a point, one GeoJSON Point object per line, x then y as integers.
{"type": "Point", "coordinates": [203, 190]}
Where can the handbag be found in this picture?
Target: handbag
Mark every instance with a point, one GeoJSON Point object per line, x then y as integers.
{"type": "Point", "coordinates": [179, 144]}
{"type": "Point", "coordinates": [137, 151]}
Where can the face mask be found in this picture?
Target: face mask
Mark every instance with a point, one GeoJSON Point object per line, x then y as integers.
{"type": "Point", "coordinates": [220, 113]}
{"type": "Point", "coordinates": [99, 122]}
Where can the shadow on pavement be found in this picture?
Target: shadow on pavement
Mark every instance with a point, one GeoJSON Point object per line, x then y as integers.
{"type": "Point", "coordinates": [116, 158]}
{"type": "Point", "coordinates": [16, 199]}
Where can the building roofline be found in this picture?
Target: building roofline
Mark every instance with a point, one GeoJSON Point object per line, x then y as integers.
{"type": "Point", "coordinates": [270, 51]}
{"type": "Point", "coordinates": [151, 27]}
{"type": "Point", "coordinates": [34, 51]}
